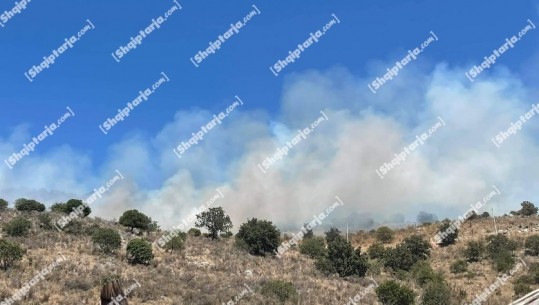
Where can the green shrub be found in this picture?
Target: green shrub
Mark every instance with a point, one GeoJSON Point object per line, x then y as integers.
{"type": "Point", "coordinates": [28, 205]}
{"type": "Point", "coordinates": [175, 243]}
{"type": "Point", "coordinates": [77, 206]}
{"type": "Point", "coordinates": [74, 227]}
{"type": "Point", "coordinates": [449, 236]}
{"type": "Point", "coordinates": [504, 261]}
{"type": "Point", "coordinates": [106, 240]}
{"type": "Point", "coordinates": [261, 236]}
{"type": "Point", "coordinates": [342, 259]}
{"type": "Point", "coordinates": [59, 208]}
{"type": "Point", "coordinates": [3, 204]}
{"type": "Point", "coordinates": [391, 293]}
{"type": "Point", "coordinates": [385, 235]}
{"type": "Point", "coordinates": [459, 266]}
{"type": "Point", "coordinates": [407, 253]}
{"type": "Point", "coordinates": [376, 251]}
{"type": "Point", "coordinates": [521, 289]}
{"type": "Point", "coordinates": [528, 209]}
{"type": "Point", "coordinates": [436, 293]}
{"type": "Point", "coordinates": [533, 274]}
{"type": "Point", "coordinates": [19, 226]}
{"type": "Point", "coordinates": [9, 253]}
{"type": "Point", "coordinates": [474, 251]}
{"type": "Point", "coordinates": [45, 221]}
{"type": "Point", "coordinates": [280, 290]}
{"type": "Point", "coordinates": [422, 273]}
{"type": "Point", "coordinates": [194, 232]}
{"type": "Point", "coordinates": [532, 245]}
{"type": "Point", "coordinates": [139, 251]}
{"type": "Point", "coordinates": [497, 244]}
{"type": "Point", "coordinates": [314, 247]}
{"type": "Point", "coordinates": [332, 234]}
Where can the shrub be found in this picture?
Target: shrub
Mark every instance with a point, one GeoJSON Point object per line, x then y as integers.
{"type": "Point", "coordinates": [91, 229]}
{"type": "Point", "coordinates": [261, 236]}
{"type": "Point", "coordinates": [498, 244]}
{"type": "Point", "coordinates": [309, 233]}
{"type": "Point", "coordinates": [9, 253]}
{"type": "Point", "coordinates": [532, 245]}
{"type": "Point", "coordinates": [424, 217]}
{"type": "Point", "coordinates": [418, 247]}
{"type": "Point", "coordinates": [314, 247]}
{"type": "Point", "coordinates": [474, 251]}
{"type": "Point", "coordinates": [376, 251]}
{"type": "Point", "coordinates": [59, 208]}
{"type": "Point", "coordinates": [407, 253]}
{"type": "Point", "coordinates": [28, 205]}
{"type": "Point", "coordinates": [226, 234]}
{"type": "Point", "coordinates": [521, 289]}
{"type": "Point", "coordinates": [459, 266]}
{"type": "Point", "coordinates": [135, 219]}
{"type": "Point", "coordinates": [504, 261]}
{"type": "Point", "coordinates": [74, 227]}
{"type": "Point", "coordinates": [139, 251]}
{"type": "Point", "coordinates": [107, 241]}
{"type": "Point", "coordinates": [533, 274]}
{"type": "Point", "coordinates": [3, 204]}
{"type": "Point", "coordinates": [194, 232]}
{"type": "Point", "coordinates": [77, 206]}
{"type": "Point", "coordinates": [391, 293]}
{"type": "Point", "coordinates": [281, 290]}
{"type": "Point", "coordinates": [175, 243]}
{"type": "Point", "coordinates": [485, 215]}
{"type": "Point", "coordinates": [436, 293]}
{"type": "Point", "coordinates": [332, 234]}
{"type": "Point", "coordinates": [385, 235]}
{"type": "Point", "coordinates": [448, 238]}
{"type": "Point", "coordinates": [215, 221]}
{"type": "Point", "coordinates": [342, 259]}
{"type": "Point", "coordinates": [422, 273]}
{"type": "Point", "coordinates": [528, 209]}
{"type": "Point", "coordinates": [45, 221]}
{"type": "Point", "coordinates": [19, 226]}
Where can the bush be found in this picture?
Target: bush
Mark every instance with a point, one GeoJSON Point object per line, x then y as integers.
{"type": "Point", "coordinates": [436, 293]}
{"type": "Point", "coordinates": [194, 232]}
{"type": "Point", "coordinates": [227, 234]}
{"type": "Point", "coordinates": [424, 217]}
{"type": "Point", "coordinates": [391, 293]}
{"type": "Point", "coordinates": [407, 253]}
{"type": "Point", "coordinates": [139, 251]}
{"type": "Point", "coordinates": [74, 227]}
{"type": "Point", "coordinates": [314, 247]}
{"type": "Point", "coordinates": [532, 245]}
{"type": "Point", "coordinates": [107, 241]}
{"type": "Point", "coordinates": [521, 289]}
{"type": "Point", "coordinates": [77, 206]}
{"type": "Point", "coordinates": [451, 236]}
{"type": "Point", "coordinates": [9, 253]}
{"type": "Point", "coordinates": [342, 259]}
{"type": "Point", "coordinates": [418, 247]}
{"type": "Point", "coordinates": [332, 234]}
{"type": "Point", "coordinates": [215, 221]}
{"type": "Point", "coordinates": [135, 219]}
{"type": "Point", "coordinates": [533, 274]}
{"type": "Point", "coordinates": [175, 243]}
{"type": "Point", "coordinates": [528, 209]}
{"type": "Point", "coordinates": [422, 273]}
{"type": "Point", "coordinates": [459, 266]}
{"type": "Point", "coordinates": [3, 204]}
{"type": "Point", "coordinates": [45, 221]}
{"type": "Point", "coordinates": [499, 244]}
{"type": "Point", "coordinates": [474, 251]}
{"type": "Point", "coordinates": [376, 251]}
{"type": "Point", "coordinates": [19, 226]}
{"type": "Point", "coordinates": [281, 290]}
{"type": "Point", "coordinates": [28, 205]}
{"type": "Point", "coordinates": [59, 208]}
{"type": "Point", "coordinates": [504, 261]}
{"type": "Point", "coordinates": [261, 236]}
{"type": "Point", "coordinates": [385, 235]}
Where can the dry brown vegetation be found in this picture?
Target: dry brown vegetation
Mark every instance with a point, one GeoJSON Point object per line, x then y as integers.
{"type": "Point", "coordinates": [213, 272]}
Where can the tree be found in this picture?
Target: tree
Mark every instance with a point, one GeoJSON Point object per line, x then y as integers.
{"type": "Point", "coordinates": [422, 273]}
{"type": "Point", "coordinates": [407, 253]}
{"type": "Point", "coordinates": [342, 259]}
{"type": "Point", "coordinates": [19, 226]}
{"type": "Point", "coordinates": [135, 219]}
{"type": "Point", "coordinates": [309, 233]}
{"type": "Point", "coordinates": [176, 242]}
{"type": "Point", "coordinates": [424, 217]}
{"type": "Point", "coordinates": [139, 251]}
{"type": "Point", "coordinates": [314, 247]}
{"type": "Point", "coordinates": [528, 209]}
{"type": "Point", "coordinates": [436, 293]}
{"type": "Point", "coordinates": [215, 221]}
{"type": "Point", "coordinates": [376, 251]}
{"type": "Point", "coordinates": [9, 253]}
{"type": "Point", "coordinates": [497, 244]}
{"type": "Point", "coordinates": [391, 293]}
{"type": "Point", "coordinates": [106, 240]}
{"type": "Point", "coordinates": [449, 237]}
{"type": "Point", "coordinates": [474, 251]}
{"type": "Point", "coordinates": [418, 246]}
{"type": "Point", "coordinates": [532, 245]}
{"type": "Point", "coordinates": [59, 208]}
{"type": "Point", "coordinates": [3, 204]}
{"type": "Point", "coordinates": [385, 235]}
{"type": "Point", "coordinates": [485, 215]}
{"type": "Point", "coordinates": [73, 205]}
{"type": "Point", "coordinates": [332, 234]}
{"type": "Point", "coordinates": [260, 236]}
{"type": "Point", "coordinates": [28, 205]}
{"type": "Point", "coordinates": [194, 232]}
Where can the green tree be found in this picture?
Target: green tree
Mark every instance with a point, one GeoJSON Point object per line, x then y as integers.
{"type": "Point", "coordinates": [451, 236]}
{"type": "Point", "coordinates": [135, 219]}
{"type": "Point", "coordinates": [532, 245]}
{"type": "Point", "coordinates": [215, 221]}
{"type": "Point", "coordinates": [392, 293]}
{"type": "Point", "coordinates": [176, 242]}
{"type": "Point", "coordinates": [59, 208]}
{"type": "Point", "coordinates": [422, 273]}
{"type": "Point", "coordinates": [260, 236]}
{"type": "Point", "coordinates": [385, 235]}
{"type": "Point", "coordinates": [528, 209]}
{"type": "Point", "coordinates": [332, 234]}
{"type": "Point", "coordinates": [376, 251]}
{"type": "Point", "coordinates": [74, 205]}
{"type": "Point", "coordinates": [436, 293]}
{"type": "Point", "coordinates": [314, 247]}
{"type": "Point", "coordinates": [194, 232]}
{"type": "Point", "coordinates": [139, 251]}
{"type": "Point", "coordinates": [106, 240]}
{"type": "Point", "coordinates": [28, 205]}
{"type": "Point", "coordinates": [19, 226]}
{"type": "Point", "coordinates": [497, 244]}
{"type": "Point", "coordinates": [9, 253]}
{"type": "Point", "coordinates": [418, 246]}
{"type": "Point", "coordinates": [474, 251]}
{"type": "Point", "coordinates": [3, 204]}
{"type": "Point", "coordinates": [309, 233]}
{"type": "Point", "coordinates": [280, 290]}
{"type": "Point", "coordinates": [45, 221]}
{"type": "Point", "coordinates": [342, 259]}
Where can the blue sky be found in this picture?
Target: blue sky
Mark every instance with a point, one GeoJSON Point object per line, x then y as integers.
{"type": "Point", "coordinates": [369, 38]}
